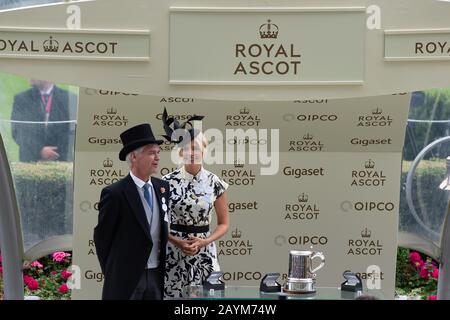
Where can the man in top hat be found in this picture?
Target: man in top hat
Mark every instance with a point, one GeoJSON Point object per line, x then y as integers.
{"type": "Point", "coordinates": [131, 234]}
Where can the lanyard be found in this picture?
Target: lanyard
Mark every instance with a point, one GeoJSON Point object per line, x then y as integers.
{"type": "Point", "coordinates": [48, 106]}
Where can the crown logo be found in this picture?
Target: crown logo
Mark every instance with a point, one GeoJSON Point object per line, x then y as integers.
{"type": "Point", "coordinates": [244, 110]}
{"type": "Point", "coordinates": [308, 137]}
{"type": "Point", "coordinates": [268, 30]}
{"type": "Point", "coordinates": [111, 110]}
{"type": "Point", "coordinates": [238, 164]}
{"type": "Point", "coordinates": [377, 111]}
{"type": "Point", "coordinates": [236, 234]}
{"type": "Point", "coordinates": [303, 197]}
{"type": "Point", "coordinates": [108, 163]}
{"type": "Point", "coordinates": [51, 45]}
{"type": "Point", "coordinates": [366, 233]}
{"type": "Point", "coordinates": [369, 164]}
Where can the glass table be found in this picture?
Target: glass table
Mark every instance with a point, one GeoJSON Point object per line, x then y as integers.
{"type": "Point", "coordinates": [252, 292]}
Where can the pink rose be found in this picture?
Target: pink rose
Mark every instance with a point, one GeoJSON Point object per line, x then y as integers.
{"type": "Point", "coordinates": [414, 257]}
{"type": "Point", "coordinates": [37, 264]}
{"type": "Point", "coordinates": [424, 273]}
{"type": "Point", "coordinates": [432, 298]}
{"type": "Point", "coordinates": [63, 288]}
{"type": "Point", "coordinates": [65, 274]}
{"type": "Point", "coordinates": [419, 264]}
{"type": "Point", "coordinates": [59, 256]}
{"type": "Point", "coordinates": [435, 273]}
{"type": "Point", "coordinates": [32, 284]}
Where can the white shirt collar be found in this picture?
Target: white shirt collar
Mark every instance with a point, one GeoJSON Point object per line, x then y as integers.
{"type": "Point", "coordinates": [140, 183]}
{"type": "Point", "coordinates": [48, 91]}
{"type": "Point", "coordinates": [189, 177]}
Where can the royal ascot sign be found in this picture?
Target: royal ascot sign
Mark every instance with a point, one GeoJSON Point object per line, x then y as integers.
{"type": "Point", "coordinates": [264, 46]}
{"type": "Point", "coordinates": [417, 45]}
{"type": "Point", "coordinates": [80, 45]}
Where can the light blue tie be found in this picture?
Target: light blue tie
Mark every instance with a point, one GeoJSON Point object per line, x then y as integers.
{"type": "Point", "coordinates": [148, 195]}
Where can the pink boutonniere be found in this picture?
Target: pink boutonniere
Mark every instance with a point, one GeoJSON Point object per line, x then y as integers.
{"type": "Point", "coordinates": [162, 189]}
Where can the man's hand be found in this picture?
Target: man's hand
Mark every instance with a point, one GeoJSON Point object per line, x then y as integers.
{"type": "Point", "coordinates": [49, 153]}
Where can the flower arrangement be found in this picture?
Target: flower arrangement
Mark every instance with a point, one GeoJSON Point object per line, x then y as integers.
{"type": "Point", "coordinates": [46, 277]}
{"type": "Point", "coordinates": [417, 275]}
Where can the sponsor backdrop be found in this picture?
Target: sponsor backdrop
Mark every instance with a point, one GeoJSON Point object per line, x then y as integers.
{"type": "Point", "coordinates": [333, 186]}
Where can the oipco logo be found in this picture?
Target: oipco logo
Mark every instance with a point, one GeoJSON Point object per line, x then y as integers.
{"type": "Point", "coordinates": [88, 206]}
{"type": "Point", "coordinates": [92, 92]}
{"type": "Point", "coordinates": [282, 240]}
{"type": "Point", "coordinates": [367, 206]}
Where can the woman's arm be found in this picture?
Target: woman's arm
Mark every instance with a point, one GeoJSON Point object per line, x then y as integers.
{"type": "Point", "coordinates": [221, 206]}
{"type": "Point", "coordinates": [184, 245]}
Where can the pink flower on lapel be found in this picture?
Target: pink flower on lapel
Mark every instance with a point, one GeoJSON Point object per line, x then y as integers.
{"type": "Point", "coordinates": [162, 189]}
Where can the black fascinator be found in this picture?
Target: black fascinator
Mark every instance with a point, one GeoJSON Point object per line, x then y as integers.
{"type": "Point", "coordinates": [179, 132]}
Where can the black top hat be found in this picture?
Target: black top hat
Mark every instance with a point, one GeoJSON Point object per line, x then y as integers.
{"type": "Point", "coordinates": [135, 138]}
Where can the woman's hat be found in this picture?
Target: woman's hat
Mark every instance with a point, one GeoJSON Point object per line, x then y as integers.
{"type": "Point", "coordinates": [174, 135]}
{"type": "Point", "coordinates": [135, 138]}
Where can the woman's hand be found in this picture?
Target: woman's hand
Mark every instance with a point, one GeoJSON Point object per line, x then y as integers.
{"type": "Point", "coordinates": [186, 247]}
{"type": "Point", "coordinates": [198, 242]}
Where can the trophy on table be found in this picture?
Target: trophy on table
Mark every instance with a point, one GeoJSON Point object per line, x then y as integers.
{"type": "Point", "coordinates": [302, 276]}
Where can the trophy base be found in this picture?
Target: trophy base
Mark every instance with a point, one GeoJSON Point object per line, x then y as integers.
{"type": "Point", "coordinates": [300, 286]}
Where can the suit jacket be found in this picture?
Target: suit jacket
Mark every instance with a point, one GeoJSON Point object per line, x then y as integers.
{"type": "Point", "coordinates": [31, 138]}
{"type": "Point", "coordinates": [122, 237]}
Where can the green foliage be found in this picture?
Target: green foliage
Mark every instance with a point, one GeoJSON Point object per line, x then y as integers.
{"type": "Point", "coordinates": [44, 193]}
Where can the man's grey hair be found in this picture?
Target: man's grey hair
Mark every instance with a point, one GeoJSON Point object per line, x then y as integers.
{"type": "Point", "coordinates": [137, 151]}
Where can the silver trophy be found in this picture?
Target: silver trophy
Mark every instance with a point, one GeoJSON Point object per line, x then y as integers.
{"type": "Point", "coordinates": [302, 276]}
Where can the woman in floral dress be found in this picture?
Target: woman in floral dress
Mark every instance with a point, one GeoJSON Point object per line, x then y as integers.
{"type": "Point", "coordinates": [195, 193]}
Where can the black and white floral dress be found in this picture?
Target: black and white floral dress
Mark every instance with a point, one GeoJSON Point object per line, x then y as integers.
{"type": "Point", "coordinates": [191, 202]}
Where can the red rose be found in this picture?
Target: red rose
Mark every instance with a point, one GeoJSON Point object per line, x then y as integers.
{"type": "Point", "coordinates": [435, 273]}
{"type": "Point", "coordinates": [414, 257]}
{"type": "Point", "coordinates": [33, 284]}
{"type": "Point", "coordinates": [63, 289]}
{"type": "Point", "coordinates": [65, 274]}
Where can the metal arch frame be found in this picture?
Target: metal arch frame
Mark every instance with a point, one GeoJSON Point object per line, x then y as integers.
{"type": "Point", "coordinates": [409, 180]}
{"type": "Point", "coordinates": [11, 241]}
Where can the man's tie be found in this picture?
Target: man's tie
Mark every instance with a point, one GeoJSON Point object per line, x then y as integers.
{"type": "Point", "coordinates": [148, 195]}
